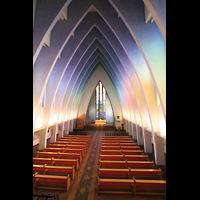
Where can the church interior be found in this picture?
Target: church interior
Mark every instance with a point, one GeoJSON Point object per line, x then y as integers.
{"type": "Point", "coordinates": [99, 99]}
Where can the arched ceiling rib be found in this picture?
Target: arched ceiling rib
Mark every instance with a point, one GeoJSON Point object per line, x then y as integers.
{"type": "Point", "coordinates": [103, 38]}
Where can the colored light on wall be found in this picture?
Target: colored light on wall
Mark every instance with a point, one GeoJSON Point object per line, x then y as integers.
{"type": "Point", "coordinates": [59, 118]}
{"type": "Point", "coordinates": [158, 100]}
{"type": "Point", "coordinates": [38, 123]}
{"type": "Point", "coordinates": [149, 122]}
{"type": "Point", "coordinates": [51, 120]}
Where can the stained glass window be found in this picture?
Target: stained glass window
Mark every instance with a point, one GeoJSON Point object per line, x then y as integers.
{"type": "Point", "coordinates": [43, 98]}
{"type": "Point", "coordinates": [100, 101]}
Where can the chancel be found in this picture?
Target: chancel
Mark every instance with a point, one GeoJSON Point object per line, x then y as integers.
{"type": "Point", "coordinates": [99, 98]}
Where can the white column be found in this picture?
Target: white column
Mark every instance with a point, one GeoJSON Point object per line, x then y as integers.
{"type": "Point", "coordinates": [53, 133]}
{"type": "Point", "coordinates": [147, 141]}
{"type": "Point", "coordinates": [71, 122]}
{"type": "Point", "coordinates": [43, 139]}
{"type": "Point", "coordinates": [140, 140]}
{"type": "Point", "coordinates": [131, 129]}
{"type": "Point", "coordinates": [60, 130]}
{"type": "Point", "coordinates": [159, 150]}
{"type": "Point", "coordinates": [134, 131]}
{"type": "Point", "coordinates": [66, 127]}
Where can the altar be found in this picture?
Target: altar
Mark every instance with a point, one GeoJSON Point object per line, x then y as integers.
{"type": "Point", "coordinates": [100, 121]}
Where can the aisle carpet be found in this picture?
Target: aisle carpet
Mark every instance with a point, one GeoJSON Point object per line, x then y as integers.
{"type": "Point", "coordinates": [83, 187]}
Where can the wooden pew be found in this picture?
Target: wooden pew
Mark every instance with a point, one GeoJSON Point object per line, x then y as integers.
{"type": "Point", "coordinates": [81, 142]}
{"type": "Point", "coordinates": [69, 162]}
{"type": "Point", "coordinates": [120, 152]}
{"type": "Point", "coordinates": [116, 186]}
{"type": "Point", "coordinates": [133, 152]}
{"type": "Point", "coordinates": [45, 169]}
{"type": "Point", "coordinates": [78, 136]}
{"type": "Point", "coordinates": [136, 157]}
{"type": "Point", "coordinates": [54, 161]}
{"type": "Point", "coordinates": [118, 141]}
{"type": "Point", "coordinates": [131, 186]}
{"type": "Point", "coordinates": [64, 150]}
{"type": "Point", "coordinates": [72, 143]}
{"type": "Point", "coordinates": [149, 185]}
{"type": "Point", "coordinates": [129, 147]}
{"type": "Point", "coordinates": [67, 147]}
{"type": "Point", "coordinates": [58, 155]}
{"type": "Point", "coordinates": [112, 164]}
{"type": "Point", "coordinates": [130, 173]}
{"type": "Point", "coordinates": [145, 173]}
{"type": "Point", "coordinates": [38, 178]}
{"type": "Point", "coordinates": [126, 164]}
{"type": "Point", "coordinates": [118, 138]}
{"type": "Point", "coordinates": [71, 146]}
{"type": "Point", "coordinates": [120, 147]}
{"type": "Point", "coordinates": [112, 136]}
{"type": "Point", "coordinates": [119, 144]}
{"type": "Point", "coordinates": [124, 157]}
{"type": "Point", "coordinates": [112, 157]}
{"type": "Point", "coordinates": [43, 161]}
{"type": "Point", "coordinates": [113, 173]}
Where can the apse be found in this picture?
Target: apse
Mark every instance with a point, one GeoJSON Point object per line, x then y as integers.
{"type": "Point", "coordinates": [100, 107]}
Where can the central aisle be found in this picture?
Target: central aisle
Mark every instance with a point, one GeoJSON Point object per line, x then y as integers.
{"type": "Point", "coordinates": [85, 183]}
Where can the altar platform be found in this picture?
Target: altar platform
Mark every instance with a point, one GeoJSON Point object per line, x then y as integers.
{"type": "Point", "coordinates": [100, 121]}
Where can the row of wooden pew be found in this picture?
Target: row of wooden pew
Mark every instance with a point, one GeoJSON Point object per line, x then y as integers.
{"type": "Point", "coordinates": [119, 169]}
{"type": "Point", "coordinates": [61, 159]}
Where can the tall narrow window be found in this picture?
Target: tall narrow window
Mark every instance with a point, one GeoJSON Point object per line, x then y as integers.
{"type": "Point", "coordinates": [54, 103]}
{"type": "Point", "coordinates": [43, 98]}
{"type": "Point", "coordinates": [97, 102]}
{"type": "Point", "coordinates": [100, 101]}
{"type": "Point", "coordinates": [104, 103]}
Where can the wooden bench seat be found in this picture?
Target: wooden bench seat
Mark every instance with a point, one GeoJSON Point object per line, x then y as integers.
{"type": "Point", "coordinates": [67, 147]}
{"type": "Point", "coordinates": [59, 155]}
{"type": "Point", "coordinates": [117, 138]}
{"type": "Point", "coordinates": [146, 173]}
{"type": "Point", "coordinates": [119, 144]}
{"type": "Point", "coordinates": [124, 157]}
{"type": "Point", "coordinates": [112, 164]}
{"type": "Point", "coordinates": [55, 161]}
{"type": "Point", "coordinates": [112, 136]}
{"type": "Point", "coordinates": [131, 186]}
{"type": "Point", "coordinates": [46, 169]}
{"type": "Point", "coordinates": [120, 147]}
{"type": "Point", "coordinates": [129, 173]}
{"type": "Point", "coordinates": [118, 141]}
{"type": "Point", "coordinates": [83, 142]}
{"type": "Point", "coordinates": [120, 152]}
{"type": "Point", "coordinates": [75, 142]}
{"type": "Point", "coordinates": [126, 164]}
{"type": "Point", "coordinates": [38, 178]}
{"type": "Point", "coordinates": [116, 186]}
{"type": "Point", "coordinates": [149, 186]}
{"type": "Point", "coordinates": [64, 150]}
{"type": "Point", "coordinates": [77, 136]}
{"type": "Point", "coordinates": [113, 173]}
{"type": "Point", "coordinates": [129, 147]}
{"type": "Point", "coordinates": [43, 161]}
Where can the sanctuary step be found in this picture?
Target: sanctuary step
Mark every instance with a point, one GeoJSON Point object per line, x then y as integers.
{"type": "Point", "coordinates": [105, 127]}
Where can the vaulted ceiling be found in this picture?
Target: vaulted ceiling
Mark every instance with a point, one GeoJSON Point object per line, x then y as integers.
{"type": "Point", "coordinates": [123, 43]}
